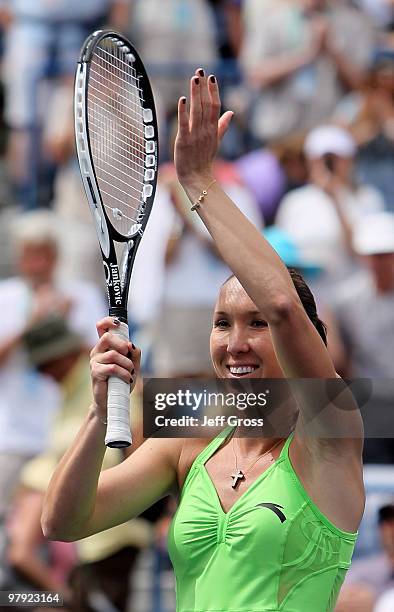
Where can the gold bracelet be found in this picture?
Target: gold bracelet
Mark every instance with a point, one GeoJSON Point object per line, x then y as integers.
{"type": "Point", "coordinates": [201, 198]}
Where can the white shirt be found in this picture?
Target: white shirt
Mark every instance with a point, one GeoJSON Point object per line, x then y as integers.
{"type": "Point", "coordinates": [28, 403]}
{"type": "Point", "coordinates": [366, 321]}
{"type": "Point", "coordinates": [309, 217]}
{"type": "Point", "coordinates": [386, 602]}
{"type": "Point", "coordinates": [29, 400]}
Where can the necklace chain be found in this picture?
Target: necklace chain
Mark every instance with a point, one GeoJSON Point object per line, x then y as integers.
{"type": "Point", "coordinates": [240, 474]}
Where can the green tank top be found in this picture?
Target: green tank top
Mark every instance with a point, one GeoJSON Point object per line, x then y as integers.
{"type": "Point", "coordinates": [273, 551]}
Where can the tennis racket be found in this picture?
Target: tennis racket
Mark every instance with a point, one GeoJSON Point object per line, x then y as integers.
{"type": "Point", "coordinates": [117, 146]}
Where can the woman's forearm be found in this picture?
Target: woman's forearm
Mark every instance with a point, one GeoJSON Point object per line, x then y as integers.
{"type": "Point", "coordinates": [244, 249]}
{"type": "Point", "coordinates": [71, 495]}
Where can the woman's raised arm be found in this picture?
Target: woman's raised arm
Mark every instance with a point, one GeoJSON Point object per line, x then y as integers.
{"type": "Point", "coordinates": [299, 348]}
{"type": "Point", "coordinates": [255, 263]}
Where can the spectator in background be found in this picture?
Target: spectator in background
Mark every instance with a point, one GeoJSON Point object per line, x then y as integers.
{"type": "Point", "coordinates": [232, 16]}
{"type": "Point", "coordinates": [149, 274]}
{"type": "Point", "coordinates": [28, 400]}
{"type": "Point", "coordinates": [365, 303]}
{"type": "Point", "coordinates": [371, 576]}
{"type": "Point", "coordinates": [42, 41]}
{"type": "Point", "coordinates": [300, 57]}
{"type": "Point", "coordinates": [386, 602]}
{"type": "Point", "coordinates": [263, 174]}
{"type": "Point", "coordinates": [364, 310]}
{"type": "Point", "coordinates": [373, 126]}
{"type": "Point", "coordinates": [100, 570]}
{"type": "Point", "coordinates": [320, 216]}
{"type": "Point", "coordinates": [173, 37]}
{"type": "Point", "coordinates": [271, 172]}
{"type": "Point", "coordinates": [291, 156]}
{"type": "Point", "coordinates": [382, 11]}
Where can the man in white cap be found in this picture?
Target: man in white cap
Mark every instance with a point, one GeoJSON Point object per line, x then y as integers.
{"type": "Point", "coordinates": [364, 311]}
{"type": "Point", "coordinates": [320, 216]}
{"type": "Point", "coordinates": [365, 304]}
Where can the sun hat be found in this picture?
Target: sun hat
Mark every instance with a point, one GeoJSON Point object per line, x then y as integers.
{"type": "Point", "coordinates": [50, 339]}
{"type": "Point", "coordinates": [327, 139]}
{"type": "Point", "coordinates": [374, 234]}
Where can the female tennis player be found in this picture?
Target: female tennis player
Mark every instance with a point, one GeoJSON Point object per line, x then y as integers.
{"type": "Point", "coordinates": [263, 524]}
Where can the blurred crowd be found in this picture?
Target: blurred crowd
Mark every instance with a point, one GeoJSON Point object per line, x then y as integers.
{"type": "Point", "coordinates": [308, 159]}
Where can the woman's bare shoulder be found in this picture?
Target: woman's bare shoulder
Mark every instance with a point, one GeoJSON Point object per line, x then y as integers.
{"type": "Point", "coordinates": [191, 448]}
{"type": "Point", "coordinates": [181, 453]}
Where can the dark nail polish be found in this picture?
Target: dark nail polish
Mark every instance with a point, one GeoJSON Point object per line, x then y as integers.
{"type": "Point", "coordinates": [133, 347]}
{"type": "Point", "coordinates": [183, 100]}
{"type": "Point", "coordinates": [132, 372]}
{"type": "Point", "coordinates": [116, 322]}
{"type": "Point", "coordinates": [197, 81]}
{"type": "Point", "coordinates": [212, 79]}
{"type": "Point", "coordinates": [201, 72]}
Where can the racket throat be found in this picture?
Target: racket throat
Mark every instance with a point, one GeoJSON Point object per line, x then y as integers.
{"type": "Point", "coordinates": [119, 312]}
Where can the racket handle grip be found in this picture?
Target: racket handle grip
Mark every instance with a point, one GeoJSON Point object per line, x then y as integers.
{"type": "Point", "coordinates": [118, 433]}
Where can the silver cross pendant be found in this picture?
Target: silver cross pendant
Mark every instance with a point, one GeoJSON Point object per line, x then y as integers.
{"type": "Point", "coordinates": [237, 478]}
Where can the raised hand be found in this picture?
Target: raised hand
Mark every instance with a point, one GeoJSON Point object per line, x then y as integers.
{"type": "Point", "coordinates": [200, 130]}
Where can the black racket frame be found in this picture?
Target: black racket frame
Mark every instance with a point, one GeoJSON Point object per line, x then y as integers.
{"type": "Point", "coordinates": [118, 280]}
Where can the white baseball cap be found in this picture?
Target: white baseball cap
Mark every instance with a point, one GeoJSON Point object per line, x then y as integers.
{"type": "Point", "coordinates": [329, 139]}
{"type": "Point", "coordinates": [374, 234]}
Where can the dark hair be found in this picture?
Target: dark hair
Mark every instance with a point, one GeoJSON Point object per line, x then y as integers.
{"type": "Point", "coordinates": [308, 302]}
{"type": "Point", "coordinates": [386, 514]}
{"type": "Point", "coordinates": [307, 299]}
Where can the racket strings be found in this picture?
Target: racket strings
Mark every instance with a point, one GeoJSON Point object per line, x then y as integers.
{"type": "Point", "coordinates": [116, 125]}
{"type": "Point", "coordinates": [129, 78]}
{"type": "Point", "coordinates": [122, 190]}
{"type": "Point", "coordinates": [116, 169]}
{"type": "Point", "coordinates": [136, 98]}
{"type": "Point", "coordinates": [138, 147]}
{"type": "Point", "coordinates": [130, 164]}
{"type": "Point", "coordinates": [113, 103]}
{"type": "Point", "coordinates": [127, 64]}
{"type": "Point", "coordinates": [124, 165]}
{"type": "Point", "coordinates": [119, 95]}
{"type": "Point", "coordinates": [111, 95]}
{"type": "Point", "coordinates": [111, 209]}
{"type": "Point", "coordinates": [126, 80]}
{"type": "Point", "coordinates": [134, 154]}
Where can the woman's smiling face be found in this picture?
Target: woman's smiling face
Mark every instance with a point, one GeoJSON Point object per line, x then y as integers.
{"type": "Point", "coordinates": [241, 345]}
